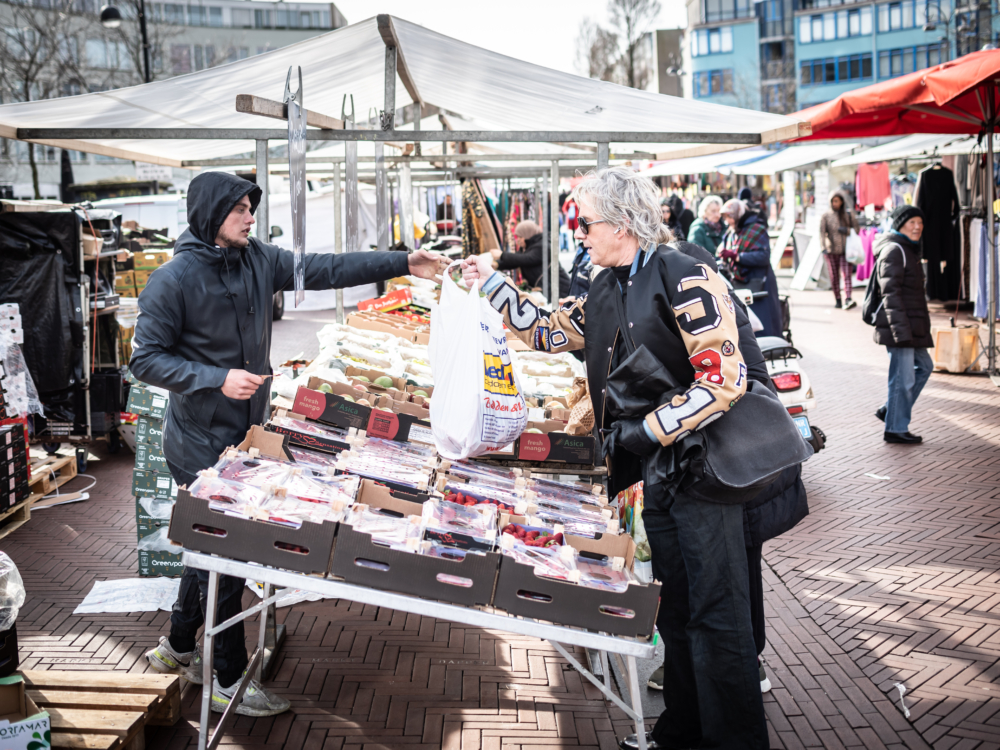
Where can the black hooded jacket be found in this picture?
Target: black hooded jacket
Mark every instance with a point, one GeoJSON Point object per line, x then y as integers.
{"type": "Point", "coordinates": [208, 311]}
{"type": "Point", "coordinates": [530, 263]}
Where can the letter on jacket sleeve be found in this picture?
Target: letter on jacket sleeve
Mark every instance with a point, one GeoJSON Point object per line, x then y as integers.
{"type": "Point", "coordinates": [157, 329]}
{"type": "Point", "coordinates": [330, 271]}
{"type": "Point", "coordinates": [891, 268]}
{"type": "Point", "coordinates": [706, 318]}
{"type": "Point", "coordinates": [559, 331]}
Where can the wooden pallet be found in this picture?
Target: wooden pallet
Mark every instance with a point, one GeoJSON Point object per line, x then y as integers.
{"type": "Point", "coordinates": [15, 518]}
{"type": "Point", "coordinates": [48, 474]}
{"type": "Point", "coordinates": [104, 710]}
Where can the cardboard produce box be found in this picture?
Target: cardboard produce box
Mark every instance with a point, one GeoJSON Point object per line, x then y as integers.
{"type": "Point", "coordinates": [391, 301]}
{"type": "Point", "coordinates": [333, 409]}
{"type": "Point", "coordinates": [630, 613]}
{"type": "Point", "coordinates": [149, 430]}
{"type": "Point", "coordinates": [153, 484]}
{"type": "Point", "coordinates": [356, 559]}
{"type": "Point", "coordinates": [24, 726]}
{"type": "Point", "coordinates": [150, 260]}
{"type": "Point", "coordinates": [149, 457]}
{"type": "Point", "coordinates": [157, 564]}
{"type": "Point", "coordinates": [147, 403]}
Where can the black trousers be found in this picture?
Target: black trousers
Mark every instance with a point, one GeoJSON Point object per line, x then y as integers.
{"type": "Point", "coordinates": [756, 597]}
{"type": "Point", "coordinates": [188, 615]}
{"type": "Point", "coordinates": [711, 685]}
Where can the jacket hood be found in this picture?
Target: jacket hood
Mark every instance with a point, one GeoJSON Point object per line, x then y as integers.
{"type": "Point", "coordinates": [887, 239]}
{"type": "Point", "coordinates": [211, 196]}
{"type": "Point", "coordinates": [844, 202]}
{"type": "Point", "coordinates": [676, 206]}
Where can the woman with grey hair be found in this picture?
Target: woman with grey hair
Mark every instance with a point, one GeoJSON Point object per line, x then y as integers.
{"type": "Point", "coordinates": [747, 256]}
{"type": "Point", "coordinates": [707, 230]}
{"type": "Point", "coordinates": [653, 295]}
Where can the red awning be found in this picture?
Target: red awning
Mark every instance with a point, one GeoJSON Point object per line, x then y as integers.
{"type": "Point", "coordinates": [959, 96]}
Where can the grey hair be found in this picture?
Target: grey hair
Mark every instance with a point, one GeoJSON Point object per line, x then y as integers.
{"type": "Point", "coordinates": [708, 200]}
{"type": "Point", "coordinates": [734, 208]}
{"type": "Point", "coordinates": [628, 201]}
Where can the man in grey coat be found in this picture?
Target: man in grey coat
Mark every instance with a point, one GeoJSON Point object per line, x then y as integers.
{"type": "Point", "coordinates": [204, 334]}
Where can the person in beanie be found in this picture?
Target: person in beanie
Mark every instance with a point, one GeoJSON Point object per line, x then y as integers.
{"type": "Point", "coordinates": [834, 228]}
{"type": "Point", "coordinates": [902, 323]}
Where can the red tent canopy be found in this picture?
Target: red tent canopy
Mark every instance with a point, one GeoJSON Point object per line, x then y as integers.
{"type": "Point", "coordinates": [955, 97]}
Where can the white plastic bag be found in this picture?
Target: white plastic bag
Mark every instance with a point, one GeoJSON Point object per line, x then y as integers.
{"type": "Point", "coordinates": [11, 592]}
{"type": "Point", "coordinates": [478, 406]}
{"type": "Point", "coordinates": [854, 251]}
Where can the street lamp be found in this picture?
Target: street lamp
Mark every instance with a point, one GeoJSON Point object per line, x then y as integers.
{"type": "Point", "coordinates": [111, 18]}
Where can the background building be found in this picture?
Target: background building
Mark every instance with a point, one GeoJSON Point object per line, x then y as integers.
{"type": "Point", "coordinates": [785, 55]}
{"type": "Point", "coordinates": [78, 55]}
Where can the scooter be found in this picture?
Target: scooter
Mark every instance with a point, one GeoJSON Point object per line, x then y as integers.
{"type": "Point", "coordinates": [792, 383]}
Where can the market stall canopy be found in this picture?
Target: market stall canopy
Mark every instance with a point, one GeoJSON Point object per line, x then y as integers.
{"type": "Point", "coordinates": [954, 97]}
{"type": "Point", "coordinates": [502, 93]}
{"type": "Point", "coordinates": [914, 147]}
{"type": "Point", "coordinates": [705, 164]}
{"type": "Point", "coordinates": [794, 157]}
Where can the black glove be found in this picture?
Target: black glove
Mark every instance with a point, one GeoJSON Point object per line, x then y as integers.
{"type": "Point", "coordinates": [629, 434]}
{"type": "Point", "coordinates": [844, 230]}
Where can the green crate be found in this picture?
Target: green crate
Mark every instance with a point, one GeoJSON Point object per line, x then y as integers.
{"type": "Point", "coordinates": [147, 403]}
{"type": "Point", "coordinates": [145, 524]}
{"type": "Point", "coordinates": [152, 484]}
{"type": "Point", "coordinates": [153, 564]}
{"type": "Point", "coordinates": [149, 457]}
{"type": "Point", "coordinates": [149, 430]}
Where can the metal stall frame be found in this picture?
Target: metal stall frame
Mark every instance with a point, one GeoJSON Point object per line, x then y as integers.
{"type": "Point", "coordinates": [560, 636]}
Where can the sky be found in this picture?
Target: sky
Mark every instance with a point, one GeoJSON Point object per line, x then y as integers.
{"type": "Point", "coordinates": [539, 31]}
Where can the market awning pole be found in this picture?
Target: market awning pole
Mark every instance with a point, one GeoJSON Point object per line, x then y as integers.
{"type": "Point", "coordinates": [406, 233]}
{"type": "Point", "coordinates": [338, 238]}
{"type": "Point", "coordinates": [545, 238]}
{"type": "Point", "coordinates": [554, 233]}
{"type": "Point", "coordinates": [603, 155]}
{"type": "Point", "coordinates": [381, 200]}
{"type": "Point", "coordinates": [991, 255]}
{"type": "Point", "coordinates": [263, 225]}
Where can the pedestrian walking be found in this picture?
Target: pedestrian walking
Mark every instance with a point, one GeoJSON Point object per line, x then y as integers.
{"type": "Point", "coordinates": [670, 219]}
{"type": "Point", "coordinates": [896, 305]}
{"type": "Point", "coordinates": [685, 216]}
{"type": "Point", "coordinates": [834, 228]}
{"type": "Point", "coordinates": [708, 229]}
{"type": "Point", "coordinates": [647, 292]}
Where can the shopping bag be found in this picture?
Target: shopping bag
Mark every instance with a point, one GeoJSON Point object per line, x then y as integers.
{"type": "Point", "coordinates": [478, 406]}
{"type": "Point", "coordinates": [854, 251]}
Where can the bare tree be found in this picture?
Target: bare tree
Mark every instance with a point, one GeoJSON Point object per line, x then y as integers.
{"type": "Point", "coordinates": [597, 51]}
{"type": "Point", "coordinates": [632, 20]}
{"type": "Point", "coordinates": [159, 31]}
{"type": "Point", "coordinates": [39, 58]}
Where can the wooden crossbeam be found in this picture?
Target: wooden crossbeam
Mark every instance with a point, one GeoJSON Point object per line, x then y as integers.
{"type": "Point", "coordinates": [258, 105]}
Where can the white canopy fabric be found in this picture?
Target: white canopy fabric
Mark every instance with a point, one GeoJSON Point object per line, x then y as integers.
{"type": "Point", "coordinates": [500, 92]}
{"type": "Point", "coordinates": [794, 157]}
{"type": "Point", "coordinates": [702, 164]}
{"type": "Point", "coordinates": [902, 148]}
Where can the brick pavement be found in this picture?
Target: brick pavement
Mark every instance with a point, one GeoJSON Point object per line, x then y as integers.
{"type": "Point", "coordinates": [886, 581]}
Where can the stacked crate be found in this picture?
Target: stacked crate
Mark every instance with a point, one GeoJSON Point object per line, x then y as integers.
{"type": "Point", "coordinates": [153, 487]}
{"type": "Point", "coordinates": [13, 466]}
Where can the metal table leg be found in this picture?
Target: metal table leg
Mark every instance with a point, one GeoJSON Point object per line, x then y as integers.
{"type": "Point", "coordinates": [633, 688]}
{"type": "Point", "coordinates": [208, 658]}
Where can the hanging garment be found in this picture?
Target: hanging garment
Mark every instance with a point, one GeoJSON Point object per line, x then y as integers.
{"type": "Point", "coordinates": [902, 190]}
{"type": "Point", "coordinates": [867, 238]}
{"type": "Point", "coordinates": [983, 293]}
{"type": "Point", "coordinates": [872, 184]}
{"type": "Point", "coordinates": [937, 196]}
{"type": "Point", "coordinates": [975, 240]}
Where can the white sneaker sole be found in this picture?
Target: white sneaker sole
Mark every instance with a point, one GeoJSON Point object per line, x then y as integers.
{"type": "Point", "coordinates": [192, 675]}
{"type": "Point", "coordinates": [653, 686]}
{"type": "Point", "coordinates": [765, 685]}
{"type": "Point", "coordinates": [244, 710]}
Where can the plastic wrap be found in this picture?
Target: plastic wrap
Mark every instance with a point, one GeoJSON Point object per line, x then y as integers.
{"type": "Point", "coordinates": [11, 592]}
{"type": "Point", "coordinates": [22, 397]}
{"type": "Point", "coordinates": [155, 507]}
{"type": "Point", "coordinates": [158, 541]}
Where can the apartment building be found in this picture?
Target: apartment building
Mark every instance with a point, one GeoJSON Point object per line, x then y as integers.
{"type": "Point", "coordinates": [184, 38]}
{"type": "Point", "coordinates": [784, 55]}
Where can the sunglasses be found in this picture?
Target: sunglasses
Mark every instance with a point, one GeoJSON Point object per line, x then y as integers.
{"type": "Point", "coordinates": [586, 224]}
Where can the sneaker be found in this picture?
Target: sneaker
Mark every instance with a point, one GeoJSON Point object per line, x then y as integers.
{"type": "Point", "coordinates": [631, 742]}
{"type": "Point", "coordinates": [165, 660]}
{"type": "Point", "coordinates": [765, 684]}
{"type": "Point", "coordinates": [257, 700]}
{"type": "Point", "coordinates": [655, 680]}
{"type": "Point", "coordinates": [849, 304]}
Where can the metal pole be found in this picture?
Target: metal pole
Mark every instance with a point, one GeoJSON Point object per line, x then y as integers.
{"type": "Point", "coordinates": [537, 207]}
{"type": "Point", "coordinates": [406, 233]}
{"type": "Point", "coordinates": [263, 225]}
{"type": "Point", "coordinates": [545, 240]}
{"type": "Point", "coordinates": [146, 67]}
{"type": "Point", "coordinates": [554, 233]}
{"type": "Point", "coordinates": [991, 256]}
{"type": "Point", "coordinates": [381, 200]}
{"type": "Point", "coordinates": [603, 155]}
{"type": "Point", "coordinates": [338, 239]}
{"type": "Point", "coordinates": [207, 655]}
{"type": "Point", "coordinates": [389, 113]}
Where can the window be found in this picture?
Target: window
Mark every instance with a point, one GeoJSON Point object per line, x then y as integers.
{"type": "Point", "coordinates": [281, 18]}
{"type": "Point", "coordinates": [199, 57]}
{"type": "Point", "coordinates": [836, 70]}
{"type": "Point", "coordinates": [262, 19]}
{"type": "Point", "coordinates": [180, 59]}
{"type": "Point", "coordinates": [841, 24]}
{"type": "Point", "coordinates": [713, 82]}
{"type": "Point", "coordinates": [173, 13]}
{"type": "Point", "coordinates": [908, 14]}
{"type": "Point", "coordinates": [897, 62]}
{"type": "Point", "coordinates": [215, 16]}
{"type": "Point", "coordinates": [718, 10]}
{"type": "Point", "coordinates": [209, 55]}
{"type": "Point", "coordinates": [97, 54]}
{"type": "Point", "coordinates": [711, 41]}
{"type": "Point", "coordinates": [305, 20]}
{"type": "Point", "coordinates": [69, 49]}
{"type": "Point", "coordinates": [240, 17]}
{"type": "Point", "coordinates": [197, 15]}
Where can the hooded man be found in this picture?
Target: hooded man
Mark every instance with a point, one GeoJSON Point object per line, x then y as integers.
{"type": "Point", "coordinates": [204, 334]}
{"type": "Point", "coordinates": [528, 238]}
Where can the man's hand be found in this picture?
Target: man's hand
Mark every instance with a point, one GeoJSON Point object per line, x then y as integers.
{"type": "Point", "coordinates": [426, 265]}
{"type": "Point", "coordinates": [476, 267]}
{"type": "Point", "coordinates": [241, 384]}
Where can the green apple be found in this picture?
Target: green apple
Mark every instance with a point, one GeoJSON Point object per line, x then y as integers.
{"type": "Point", "coordinates": [325, 388]}
{"type": "Point", "coordinates": [384, 382]}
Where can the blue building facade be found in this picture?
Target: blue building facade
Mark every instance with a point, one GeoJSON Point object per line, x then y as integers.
{"type": "Point", "coordinates": [784, 55]}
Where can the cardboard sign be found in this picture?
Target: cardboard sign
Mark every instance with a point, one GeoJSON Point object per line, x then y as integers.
{"type": "Point", "coordinates": [333, 409]}
{"type": "Point", "coordinates": [556, 446]}
{"type": "Point", "coordinates": [391, 301]}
